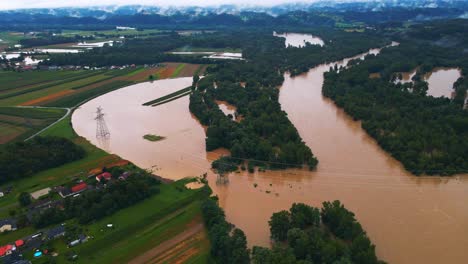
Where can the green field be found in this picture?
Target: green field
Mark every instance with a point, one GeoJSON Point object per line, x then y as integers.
{"type": "Point", "coordinates": [142, 227]}
{"type": "Point", "coordinates": [110, 32]}
{"type": "Point", "coordinates": [10, 80]}
{"type": "Point", "coordinates": [10, 38]}
{"type": "Point", "coordinates": [178, 70]}
{"type": "Point", "coordinates": [20, 123]}
{"type": "Point", "coordinates": [75, 99]}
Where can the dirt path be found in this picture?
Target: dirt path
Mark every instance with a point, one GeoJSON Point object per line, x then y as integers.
{"type": "Point", "coordinates": [167, 245]}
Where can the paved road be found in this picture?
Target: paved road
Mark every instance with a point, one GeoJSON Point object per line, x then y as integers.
{"type": "Point", "coordinates": [47, 127]}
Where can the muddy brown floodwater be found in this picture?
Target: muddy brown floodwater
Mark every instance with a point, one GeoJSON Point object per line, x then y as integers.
{"type": "Point", "coordinates": [441, 80]}
{"type": "Point", "coordinates": [410, 219]}
{"type": "Point", "coordinates": [229, 109]}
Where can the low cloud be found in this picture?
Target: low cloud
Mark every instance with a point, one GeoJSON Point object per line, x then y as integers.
{"type": "Point", "coordinates": [21, 4]}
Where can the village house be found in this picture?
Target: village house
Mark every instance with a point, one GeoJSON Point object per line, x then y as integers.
{"type": "Point", "coordinates": [6, 250]}
{"type": "Point", "coordinates": [55, 232]}
{"type": "Point", "coordinates": [105, 175]}
{"type": "Point", "coordinates": [19, 243]}
{"type": "Point", "coordinates": [124, 175]}
{"type": "Point", "coordinates": [38, 194]}
{"type": "Point", "coordinates": [7, 225]}
{"type": "Point", "coordinates": [65, 192]}
{"type": "Point", "coordinates": [82, 238]}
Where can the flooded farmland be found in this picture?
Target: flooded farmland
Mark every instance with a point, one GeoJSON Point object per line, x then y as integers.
{"type": "Point", "coordinates": [441, 81]}
{"type": "Point", "coordinates": [410, 219]}
{"type": "Point", "coordinates": [299, 39]}
{"type": "Point", "coordinates": [228, 109]}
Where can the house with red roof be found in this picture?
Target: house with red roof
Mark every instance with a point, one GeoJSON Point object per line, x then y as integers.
{"type": "Point", "coordinates": [19, 243]}
{"type": "Point", "coordinates": [79, 187]}
{"type": "Point", "coordinates": [65, 192]}
{"type": "Point", "coordinates": [105, 175]}
{"type": "Point", "coordinates": [6, 250]}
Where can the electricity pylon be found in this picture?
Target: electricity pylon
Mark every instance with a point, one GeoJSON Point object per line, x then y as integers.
{"type": "Point", "coordinates": [101, 127]}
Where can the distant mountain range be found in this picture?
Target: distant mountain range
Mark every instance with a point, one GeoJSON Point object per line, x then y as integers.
{"type": "Point", "coordinates": [317, 13]}
{"type": "Point", "coordinates": [103, 12]}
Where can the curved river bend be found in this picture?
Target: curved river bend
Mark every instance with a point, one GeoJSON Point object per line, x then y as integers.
{"type": "Point", "coordinates": [410, 219]}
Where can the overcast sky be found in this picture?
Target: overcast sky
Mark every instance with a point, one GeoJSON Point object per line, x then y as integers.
{"type": "Point", "coordinates": [15, 4]}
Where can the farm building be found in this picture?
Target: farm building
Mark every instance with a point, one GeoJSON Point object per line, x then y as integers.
{"type": "Point", "coordinates": [37, 194]}
{"type": "Point", "coordinates": [65, 192]}
{"type": "Point", "coordinates": [79, 187]}
{"type": "Point", "coordinates": [105, 175]}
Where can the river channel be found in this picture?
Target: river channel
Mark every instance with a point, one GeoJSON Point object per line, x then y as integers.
{"type": "Point", "coordinates": [410, 219]}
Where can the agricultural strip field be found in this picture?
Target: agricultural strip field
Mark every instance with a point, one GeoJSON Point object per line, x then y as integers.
{"type": "Point", "coordinates": [20, 123]}
{"type": "Point", "coordinates": [45, 87]}
{"type": "Point", "coordinates": [145, 226]}
{"type": "Point", "coordinates": [11, 80]}
{"type": "Point", "coordinates": [169, 97]}
{"type": "Point", "coordinates": [111, 32]}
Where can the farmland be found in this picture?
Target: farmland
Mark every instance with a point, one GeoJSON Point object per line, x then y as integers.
{"type": "Point", "coordinates": [152, 222]}
{"type": "Point", "coordinates": [20, 123]}
{"type": "Point", "coordinates": [62, 89]}
{"type": "Point", "coordinates": [143, 228]}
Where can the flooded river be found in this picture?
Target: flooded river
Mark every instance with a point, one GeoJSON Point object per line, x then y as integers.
{"type": "Point", "coordinates": [410, 219]}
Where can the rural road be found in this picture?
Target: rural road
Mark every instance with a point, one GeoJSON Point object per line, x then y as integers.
{"type": "Point", "coordinates": [166, 245]}
{"type": "Point", "coordinates": [47, 127]}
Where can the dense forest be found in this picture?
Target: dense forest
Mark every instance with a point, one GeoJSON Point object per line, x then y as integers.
{"type": "Point", "coordinates": [428, 135]}
{"type": "Point", "coordinates": [23, 159]}
{"type": "Point", "coordinates": [49, 39]}
{"type": "Point", "coordinates": [96, 204]}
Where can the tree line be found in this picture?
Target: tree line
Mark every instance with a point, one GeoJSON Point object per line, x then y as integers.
{"type": "Point", "coordinates": [23, 159]}
{"type": "Point", "coordinates": [228, 244]}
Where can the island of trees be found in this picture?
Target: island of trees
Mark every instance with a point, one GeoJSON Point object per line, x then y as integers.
{"type": "Point", "coordinates": [303, 234]}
